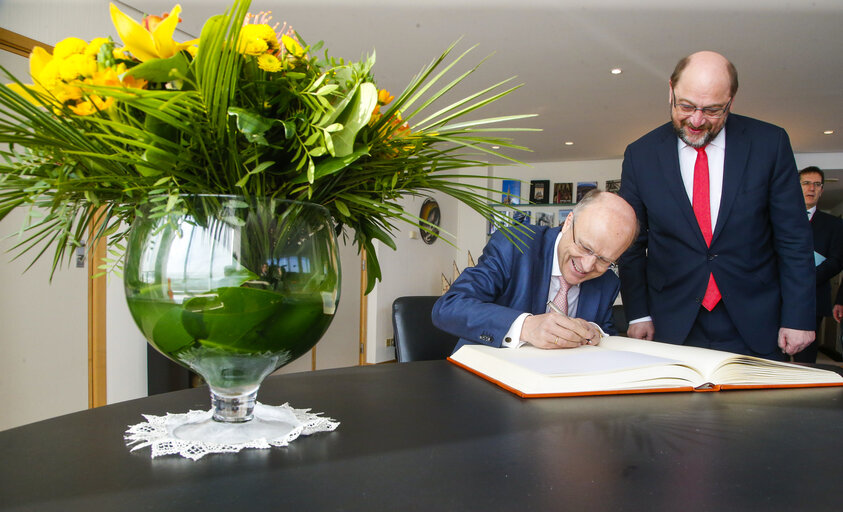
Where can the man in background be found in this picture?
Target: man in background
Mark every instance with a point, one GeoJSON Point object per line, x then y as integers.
{"type": "Point", "coordinates": [723, 260]}
{"type": "Point", "coordinates": [504, 301]}
{"type": "Point", "coordinates": [828, 250]}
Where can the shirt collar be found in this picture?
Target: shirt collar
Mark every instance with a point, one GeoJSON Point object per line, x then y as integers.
{"type": "Point", "coordinates": [556, 271]}
{"type": "Point", "coordinates": [811, 212]}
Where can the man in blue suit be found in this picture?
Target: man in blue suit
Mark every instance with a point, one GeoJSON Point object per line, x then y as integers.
{"type": "Point", "coordinates": [504, 300]}
{"type": "Point", "coordinates": [724, 258]}
{"type": "Point", "coordinates": [828, 250]}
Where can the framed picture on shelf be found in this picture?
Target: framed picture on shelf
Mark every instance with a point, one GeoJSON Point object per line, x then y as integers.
{"type": "Point", "coordinates": [563, 192]}
{"type": "Point", "coordinates": [584, 187]}
{"type": "Point", "coordinates": [511, 192]}
{"type": "Point", "coordinates": [544, 219]}
{"type": "Point", "coordinates": [522, 216]}
{"type": "Point", "coordinates": [563, 214]}
{"type": "Point", "coordinates": [613, 186]}
{"type": "Point", "coordinates": [540, 191]}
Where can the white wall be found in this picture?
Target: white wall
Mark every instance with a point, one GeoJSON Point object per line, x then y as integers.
{"type": "Point", "coordinates": [43, 335]}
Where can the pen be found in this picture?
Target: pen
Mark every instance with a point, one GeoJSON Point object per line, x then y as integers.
{"type": "Point", "coordinates": [554, 307]}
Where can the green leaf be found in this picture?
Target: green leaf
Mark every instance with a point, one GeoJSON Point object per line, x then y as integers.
{"type": "Point", "coordinates": [355, 116]}
{"type": "Point", "coordinates": [252, 125]}
{"type": "Point", "coordinates": [342, 208]}
{"type": "Point", "coordinates": [162, 70]}
{"type": "Point", "coordinates": [327, 89]}
{"type": "Point", "coordinates": [329, 166]}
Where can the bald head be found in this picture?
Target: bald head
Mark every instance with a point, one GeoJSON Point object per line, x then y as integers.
{"type": "Point", "coordinates": [707, 69]}
{"type": "Point", "coordinates": [596, 234]}
{"type": "Point", "coordinates": [614, 216]}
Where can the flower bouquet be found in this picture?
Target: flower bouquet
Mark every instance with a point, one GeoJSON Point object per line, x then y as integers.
{"type": "Point", "coordinates": [110, 129]}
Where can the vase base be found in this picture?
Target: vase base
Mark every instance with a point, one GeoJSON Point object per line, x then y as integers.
{"type": "Point", "coordinates": [234, 433]}
{"type": "Point", "coordinates": [237, 409]}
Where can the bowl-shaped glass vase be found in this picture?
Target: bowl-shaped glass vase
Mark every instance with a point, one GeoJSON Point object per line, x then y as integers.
{"type": "Point", "coordinates": [233, 289]}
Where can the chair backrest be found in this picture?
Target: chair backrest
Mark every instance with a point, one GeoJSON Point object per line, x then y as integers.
{"type": "Point", "coordinates": [416, 338]}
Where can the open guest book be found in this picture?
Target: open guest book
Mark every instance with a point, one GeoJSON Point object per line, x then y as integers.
{"type": "Point", "coordinates": [625, 365]}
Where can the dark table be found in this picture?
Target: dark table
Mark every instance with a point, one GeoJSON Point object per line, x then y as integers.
{"type": "Point", "coordinates": [430, 436]}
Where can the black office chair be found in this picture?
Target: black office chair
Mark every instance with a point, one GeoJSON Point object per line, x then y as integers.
{"type": "Point", "coordinates": [416, 338]}
{"type": "Point", "coordinates": [619, 319]}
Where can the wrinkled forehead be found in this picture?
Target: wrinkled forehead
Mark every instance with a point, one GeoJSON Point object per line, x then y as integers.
{"type": "Point", "coordinates": [703, 84]}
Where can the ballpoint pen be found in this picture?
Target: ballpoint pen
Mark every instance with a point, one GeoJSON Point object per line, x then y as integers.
{"type": "Point", "coordinates": [556, 309]}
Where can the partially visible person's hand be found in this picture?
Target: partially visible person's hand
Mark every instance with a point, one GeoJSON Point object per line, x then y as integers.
{"type": "Point", "coordinates": [554, 330]}
{"type": "Point", "coordinates": [837, 312]}
{"type": "Point", "coordinates": [792, 341]}
{"type": "Point", "coordinates": [641, 330]}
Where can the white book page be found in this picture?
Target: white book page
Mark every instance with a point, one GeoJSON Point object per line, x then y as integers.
{"type": "Point", "coordinates": [583, 360]}
{"type": "Point", "coordinates": [703, 360]}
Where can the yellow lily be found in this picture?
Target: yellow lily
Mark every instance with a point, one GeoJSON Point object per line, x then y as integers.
{"type": "Point", "coordinates": [152, 44]}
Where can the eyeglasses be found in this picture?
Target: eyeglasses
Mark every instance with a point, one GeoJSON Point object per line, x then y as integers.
{"type": "Point", "coordinates": [817, 184]}
{"type": "Point", "coordinates": [600, 261]}
{"type": "Point", "coordinates": [710, 112]}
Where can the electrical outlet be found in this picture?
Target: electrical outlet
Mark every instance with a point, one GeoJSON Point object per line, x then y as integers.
{"type": "Point", "coordinates": [390, 342]}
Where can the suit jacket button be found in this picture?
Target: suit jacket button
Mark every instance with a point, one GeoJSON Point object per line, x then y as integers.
{"type": "Point", "coordinates": [711, 257]}
{"type": "Point", "coordinates": [698, 300]}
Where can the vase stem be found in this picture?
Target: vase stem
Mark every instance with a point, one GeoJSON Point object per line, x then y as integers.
{"type": "Point", "coordinates": [236, 409]}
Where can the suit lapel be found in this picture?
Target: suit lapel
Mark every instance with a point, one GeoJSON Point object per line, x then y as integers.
{"type": "Point", "coordinates": [544, 269]}
{"type": "Point", "coordinates": [734, 167]}
{"type": "Point", "coordinates": [587, 302]}
{"type": "Point", "coordinates": [669, 163]}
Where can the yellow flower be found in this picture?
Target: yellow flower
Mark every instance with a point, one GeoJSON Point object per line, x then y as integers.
{"type": "Point", "coordinates": [90, 106]}
{"type": "Point", "coordinates": [257, 39]}
{"type": "Point", "coordinates": [269, 62]}
{"type": "Point", "coordinates": [292, 46]}
{"type": "Point", "coordinates": [384, 97]}
{"type": "Point", "coordinates": [76, 66]}
{"type": "Point", "coordinates": [93, 48]}
{"type": "Point", "coordinates": [120, 53]}
{"type": "Point", "coordinates": [144, 44]}
{"type": "Point", "coordinates": [70, 46]}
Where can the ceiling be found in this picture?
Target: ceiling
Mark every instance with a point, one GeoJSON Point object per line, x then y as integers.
{"type": "Point", "coordinates": [789, 56]}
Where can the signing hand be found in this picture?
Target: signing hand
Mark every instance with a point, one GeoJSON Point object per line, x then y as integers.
{"type": "Point", "coordinates": [641, 330]}
{"type": "Point", "coordinates": [792, 341]}
{"type": "Point", "coordinates": [554, 330]}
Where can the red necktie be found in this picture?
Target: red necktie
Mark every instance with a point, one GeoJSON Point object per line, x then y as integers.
{"type": "Point", "coordinates": [561, 299]}
{"type": "Point", "coordinates": [702, 210]}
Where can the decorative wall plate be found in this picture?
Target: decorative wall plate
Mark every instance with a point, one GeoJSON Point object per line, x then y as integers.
{"type": "Point", "coordinates": [431, 213]}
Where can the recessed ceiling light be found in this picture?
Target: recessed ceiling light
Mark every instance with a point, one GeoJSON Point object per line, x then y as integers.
{"type": "Point", "coordinates": [828, 132]}
{"type": "Point", "coordinates": [569, 143]}
{"type": "Point", "coordinates": [617, 71]}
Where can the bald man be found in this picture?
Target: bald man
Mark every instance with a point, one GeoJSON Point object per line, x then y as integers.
{"type": "Point", "coordinates": [725, 258]}
{"type": "Point", "coordinates": [505, 301]}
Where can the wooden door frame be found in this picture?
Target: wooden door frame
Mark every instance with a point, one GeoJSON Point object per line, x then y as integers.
{"type": "Point", "coordinates": [21, 45]}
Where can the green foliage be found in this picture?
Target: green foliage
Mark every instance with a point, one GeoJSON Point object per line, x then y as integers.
{"type": "Point", "coordinates": [221, 123]}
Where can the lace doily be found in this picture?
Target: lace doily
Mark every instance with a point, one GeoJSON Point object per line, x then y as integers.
{"type": "Point", "coordinates": [158, 431]}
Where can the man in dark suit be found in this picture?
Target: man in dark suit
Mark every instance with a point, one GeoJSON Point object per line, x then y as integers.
{"type": "Point", "coordinates": [504, 300]}
{"type": "Point", "coordinates": [723, 260]}
{"type": "Point", "coordinates": [828, 250]}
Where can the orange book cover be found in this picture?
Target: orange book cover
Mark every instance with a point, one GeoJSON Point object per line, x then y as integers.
{"type": "Point", "coordinates": [626, 366]}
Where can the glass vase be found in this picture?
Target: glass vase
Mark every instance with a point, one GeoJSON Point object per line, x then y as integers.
{"type": "Point", "coordinates": [233, 289]}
